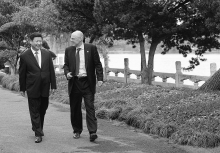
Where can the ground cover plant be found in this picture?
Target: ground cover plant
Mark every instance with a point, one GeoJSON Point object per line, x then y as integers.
{"type": "Point", "coordinates": [10, 82]}
{"type": "Point", "coordinates": [1, 76]}
{"type": "Point", "coordinates": [184, 116]}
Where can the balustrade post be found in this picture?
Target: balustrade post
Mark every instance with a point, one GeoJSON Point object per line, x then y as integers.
{"type": "Point", "coordinates": [59, 67]}
{"type": "Point", "coordinates": [116, 74]}
{"type": "Point", "coordinates": [106, 73]}
{"type": "Point", "coordinates": [196, 85]}
{"type": "Point", "coordinates": [213, 68]}
{"type": "Point", "coordinates": [178, 74]}
{"type": "Point", "coordinates": [126, 69]}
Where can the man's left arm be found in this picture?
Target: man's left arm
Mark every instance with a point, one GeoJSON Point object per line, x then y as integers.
{"type": "Point", "coordinates": [52, 74]}
{"type": "Point", "coordinates": [98, 66]}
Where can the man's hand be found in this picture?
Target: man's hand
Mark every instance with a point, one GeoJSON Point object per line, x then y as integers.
{"type": "Point", "coordinates": [99, 83]}
{"type": "Point", "coordinates": [69, 75]}
{"type": "Point", "coordinates": [22, 93]}
{"type": "Point", "coordinates": [52, 91]}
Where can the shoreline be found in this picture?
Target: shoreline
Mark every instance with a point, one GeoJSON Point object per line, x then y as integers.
{"type": "Point", "coordinates": [127, 52]}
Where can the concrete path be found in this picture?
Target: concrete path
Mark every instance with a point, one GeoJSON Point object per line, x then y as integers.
{"type": "Point", "coordinates": [16, 135]}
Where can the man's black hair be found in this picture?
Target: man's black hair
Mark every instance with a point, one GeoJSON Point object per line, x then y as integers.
{"type": "Point", "coordinates": [35, 34]}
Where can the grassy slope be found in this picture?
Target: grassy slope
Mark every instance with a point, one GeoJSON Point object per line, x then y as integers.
{"type": "Point", "coordinates": [186, 116]}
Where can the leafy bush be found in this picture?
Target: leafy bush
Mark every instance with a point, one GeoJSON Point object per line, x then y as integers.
{"type": "Point", "coordinates": [1, 76]}
{"type": "Point", "coordinates": [166, 112]}
{"type": "Point", "coordinates": [10, 82]}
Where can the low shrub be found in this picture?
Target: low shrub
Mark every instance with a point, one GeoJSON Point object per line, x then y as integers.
{"type": "Point", "coordinates": [1, 76]}
{"type": "Point", "coordinates": [195, 138]}
{"type": "Point", "coordinates": [166, 112]}
{"type": "Point", "coordinates": [114, 112]}
{"type": "Point", "coordinates": [10, 82]}
{"type": "Point", "coordinates": [102, 114]}
{"type": "Point", "coordinates": [16, 86]}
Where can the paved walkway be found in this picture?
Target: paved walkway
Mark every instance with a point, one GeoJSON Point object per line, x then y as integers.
{"type": "Point", "coordinates": [16, 135]}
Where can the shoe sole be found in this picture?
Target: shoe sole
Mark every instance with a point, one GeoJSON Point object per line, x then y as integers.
{"type": "Point", "coordinates": [76, 137]}
{"type": "Point", "coordinates": [93, 138]}
{"type": "Point", "coordinates": [38, 141]}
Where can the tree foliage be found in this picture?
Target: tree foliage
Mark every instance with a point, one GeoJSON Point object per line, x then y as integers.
{"type": "Point", "coordinates": [43, 17]}
{"type": "Point", "coordinates": [19, 19]}
{"type": "Point", "coordinates": [7, 35]}
{"type": "Point", "coordinates": [79, 15]}
{"type": "Point", "coordinates": [175, 23]}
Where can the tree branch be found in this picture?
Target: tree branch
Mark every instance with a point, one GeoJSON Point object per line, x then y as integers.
{"type": "Point", "coordinates": [180, 5]}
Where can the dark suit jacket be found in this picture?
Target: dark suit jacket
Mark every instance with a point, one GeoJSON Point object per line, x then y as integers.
{"type": "Point", "coordinates": [33, 79]}
{"type": "Point", "coordinates": [92, 63]}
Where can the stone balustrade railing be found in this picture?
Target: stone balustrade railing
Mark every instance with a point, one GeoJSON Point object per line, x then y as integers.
{"type": "Point", "coordinates": [179, 77]}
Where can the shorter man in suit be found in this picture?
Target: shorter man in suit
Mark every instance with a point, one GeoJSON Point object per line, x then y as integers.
{"type": "Point", "coordinates": [83, 69]}
{"type": "Point", "coordinates": [37, 77]}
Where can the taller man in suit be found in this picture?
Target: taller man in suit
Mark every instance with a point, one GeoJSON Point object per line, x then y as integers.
{"type": "Point", "coordinates": [83, 69]}
{"type": "Point", "coordinates": [37, 77]}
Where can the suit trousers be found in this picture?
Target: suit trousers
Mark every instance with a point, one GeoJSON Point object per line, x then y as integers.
{"type": "Point", "coordinates": [81, 90]}
{"type": "Point", "coordinates": [37, 109]}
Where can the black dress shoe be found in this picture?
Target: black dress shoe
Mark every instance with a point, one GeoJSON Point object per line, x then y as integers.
{"type": "Point", "coordinates": [76, 135]}
{"type": "Point", "coordinates": [38, 139]}
{"type": "Point", "coordinates": [93, 136]}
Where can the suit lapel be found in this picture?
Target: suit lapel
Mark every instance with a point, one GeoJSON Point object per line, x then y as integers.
{"type": "Point", "coordinates": [86, 54]}
{"type": "Point", "coordinates": [31, 56]}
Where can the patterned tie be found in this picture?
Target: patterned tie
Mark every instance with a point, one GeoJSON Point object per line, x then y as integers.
{"type": "Point", "coordinates": [77, 61]}
{"type": "Point", "coordinates": [36, 56]}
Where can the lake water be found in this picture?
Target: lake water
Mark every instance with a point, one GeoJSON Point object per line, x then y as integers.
{"type": "Point", "coordinates": [165, 63]}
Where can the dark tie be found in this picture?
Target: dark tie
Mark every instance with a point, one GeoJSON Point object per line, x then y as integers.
{"type": "Point", "coordinates": [77, 61]}
{"type": "Point", "coordinates": [36, 56]}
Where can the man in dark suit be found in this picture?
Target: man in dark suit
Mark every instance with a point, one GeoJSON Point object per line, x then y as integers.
{"type": "Point", "coordinates": [83, 69]}
{"type": "Point", "coordinates": [36, 78]}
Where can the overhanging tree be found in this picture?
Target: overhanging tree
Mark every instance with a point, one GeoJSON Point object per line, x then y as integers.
{"type": "Point", "coordinates": [174, 23]}
{"type": "Point", "coordinates": [79, 15]}
{"type": "Point", "coordinates": [7, 37]}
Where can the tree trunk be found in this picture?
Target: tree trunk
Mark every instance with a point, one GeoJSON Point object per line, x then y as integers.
{"type": "Point", "coordinates": [143, 59]}
{"type": "Point", "coordinates": [150, 68]}
{"type": "Point", "coordinates": [92, 39]}
{"type": "Point", "coordinates": [212, 83]}
{"type": "Point", "coordinates": [16, 65]}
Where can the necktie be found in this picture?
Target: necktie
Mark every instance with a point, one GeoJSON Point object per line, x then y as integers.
{"type": "Point", "coordinates": [77, 61]}
{"type": "Point", "coordinates": [36, 56]}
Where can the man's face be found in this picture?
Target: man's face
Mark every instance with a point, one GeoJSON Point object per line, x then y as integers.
{"type": "Point", "coordinates": [36, 43]}
{"type": "Point", "coordinates": [76, 41]}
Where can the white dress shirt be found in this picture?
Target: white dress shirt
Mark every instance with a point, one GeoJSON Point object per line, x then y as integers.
{"type": "Point", "coordinates": [82, 67]}
{"type": "Point", "coordinates": [39, 55]}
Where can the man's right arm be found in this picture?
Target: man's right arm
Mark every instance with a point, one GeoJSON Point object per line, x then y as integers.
{"type": "Point", "coordinates": [67, 72]}
{"type": "Point", "coordinates": [22, 76]}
